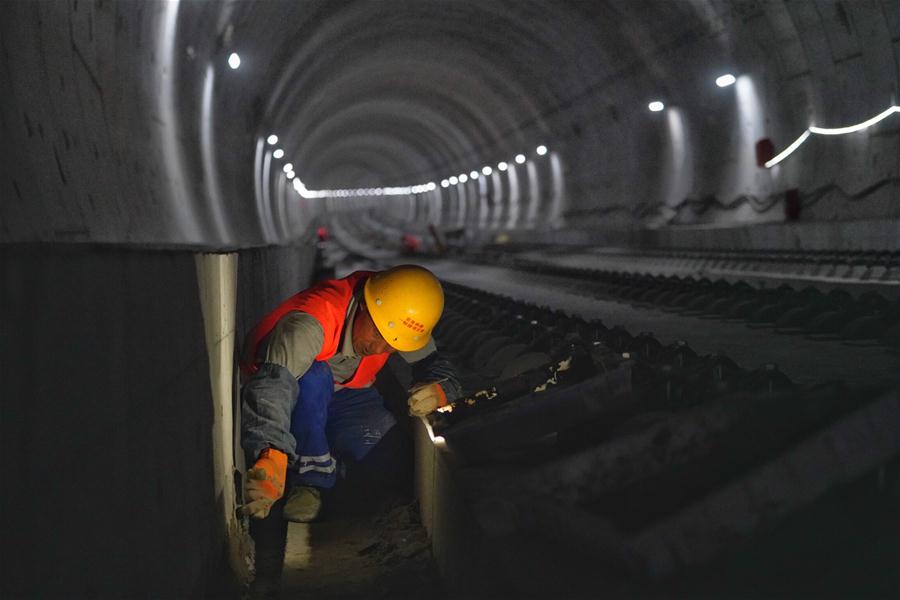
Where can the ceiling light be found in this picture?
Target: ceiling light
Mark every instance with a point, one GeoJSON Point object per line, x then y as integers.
{"type": "Point", "coordinates": [234, 61]}
{"type": "Point", "coordinates": [444, 183]}
{"type": "Point", "coordinates": [278, 153]}
{"type": "Point", "coordinates": [503, 166]}
{"type": "Point", "coordinates": [541, 150]}
{"type": "Point", "coordinates": [725, 80]}
{"type": "Point", "coordinates": [272, 139]}
{"type": "Point", "coordinates": [463, 178]}
{"type": "Point", "coordinates": [656, 106]}
{"type": "Point", "coordinates": [430, 186]}
{"type": "Point", "coordinates": [520, 158]}
{"type": "Point", "coordinates": [291, 174]}
{"type": "Point", "coordinates": [287, 167]}
{"type": "Point", "coordinates": [473, 175]}
{"type": "Point", "coordinates": [487, 170]}
{"type": "Point", "coordinates": [453, 180]}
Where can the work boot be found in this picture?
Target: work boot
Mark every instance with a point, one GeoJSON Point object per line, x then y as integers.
{"type": "Point", "coordinates": [303, 504]}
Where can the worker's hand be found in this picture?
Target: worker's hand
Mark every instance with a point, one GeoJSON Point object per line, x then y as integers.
{"type": "Point", "coordinates": [425, 399]}
{"type": "Point", "coordinates": [265, 483]}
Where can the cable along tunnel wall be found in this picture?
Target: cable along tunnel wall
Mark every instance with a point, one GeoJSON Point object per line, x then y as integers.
{"type": "Point", "coordinates": [651, 461]}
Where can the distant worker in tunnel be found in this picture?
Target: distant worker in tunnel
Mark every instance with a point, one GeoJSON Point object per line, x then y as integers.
{"type": "Point", "coordinates": [310, 366]}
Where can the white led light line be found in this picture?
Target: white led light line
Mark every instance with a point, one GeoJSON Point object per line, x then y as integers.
{"type": "Point", "coordinates": [347, 193]}
{"type": "Point", "coordinates": [830, 131]}
{"type": "Point", "coordinates": [858, 127]}
{"type": "Point", "coordinates": [488, 170]}
{"type": "Point", "coordinates": [788, 151]}
{"type": "Point", "coordinates": [387, 191]}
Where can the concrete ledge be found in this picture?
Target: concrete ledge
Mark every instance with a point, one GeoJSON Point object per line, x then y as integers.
{"type": "Point", "coordinates": [459, 546]}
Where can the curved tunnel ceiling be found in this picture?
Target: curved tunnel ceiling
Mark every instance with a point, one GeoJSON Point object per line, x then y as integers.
{"type": "Point", "coordinates": [492, 69]}
{"type": "Point", "coordinates": [126, 125]}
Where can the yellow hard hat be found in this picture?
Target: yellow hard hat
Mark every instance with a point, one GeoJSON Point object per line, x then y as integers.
{"type": "Point", "coordinates": [405, 303]}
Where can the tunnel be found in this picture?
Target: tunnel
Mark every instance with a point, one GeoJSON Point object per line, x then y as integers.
{"type": "Point", "coordinates": [667, 234]}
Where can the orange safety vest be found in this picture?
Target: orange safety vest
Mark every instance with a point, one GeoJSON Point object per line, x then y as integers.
{"type": "Point", "coordinates": [327, 301]}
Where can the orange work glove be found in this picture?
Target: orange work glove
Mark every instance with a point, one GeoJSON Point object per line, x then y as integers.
{"type": "Point", "coordinates": [265, 482]}
{"type": "Point", "coordinates": [425, 399]}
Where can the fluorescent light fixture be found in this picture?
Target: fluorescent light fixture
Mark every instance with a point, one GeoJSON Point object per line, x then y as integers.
{"type": "Point", "coordinates": [725, 80]}
{"type": "Point", "coordinates": [445, 183]}
{"type": "Point", "coordinates": [520, 158]}
{"type": "Point", "coordinates": [278, 153]}
{"type": "Point", "coordinates": [234, 61]}
{"type": "Point", "coordinates": [272, 139]}
{"type": "Point", "coordinates": [487, 170]}
{"type": "Point", "coordinates": [502, 166]}
{"type": "Point", "coordinates": [656, 106]}
{"type": "Point", "coordinates": [830, 131]}
{"type": "Point", "coordinates": [473, 175]}
{"type": "Point", "coordinates": [453, 180]}
{"type": "Point", "coordinates": [541, 150]}
{"type": "Point", "coordinates": [287, 167]}
{"type": "Point", "coordinates": [463, 178]}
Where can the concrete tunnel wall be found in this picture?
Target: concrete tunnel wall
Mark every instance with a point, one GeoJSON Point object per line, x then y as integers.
{"type": "Point", "coordinates": [123, 123]}
{"type": "Point", "coordinates": [116, 130]}
{"type": "Point", "coordinates": [107, 424]}
{"type": "Point", "coordinates": [621, 167]}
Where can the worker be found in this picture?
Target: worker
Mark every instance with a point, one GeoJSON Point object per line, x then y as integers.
{"type": "Point", "coordinates": [309, 367]}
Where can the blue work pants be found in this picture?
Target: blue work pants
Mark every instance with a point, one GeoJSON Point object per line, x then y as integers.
{"type": "Point", "coordinates": [327, 425]}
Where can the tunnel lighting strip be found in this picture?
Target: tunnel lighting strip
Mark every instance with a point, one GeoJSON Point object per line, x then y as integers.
{"type": "Point", "coordinates": [301, 188]}
{"type": "Point", "coordinates": [830, 131]}
{"type": "Point", "coordinates": [364, 192]}
{"type": "Point", "coordinates": [858, 127]}
{"type": "Point", "coordinates": [789, 150]}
